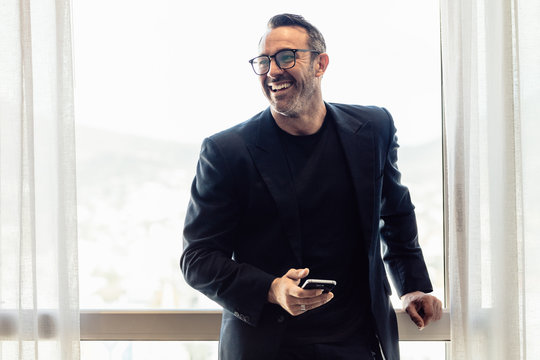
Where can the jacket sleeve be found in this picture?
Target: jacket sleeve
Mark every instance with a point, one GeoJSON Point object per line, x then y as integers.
{"type": "Point", "coordinates": [401, 250]}
{"type": "Point", "coordinates": [207, 261]}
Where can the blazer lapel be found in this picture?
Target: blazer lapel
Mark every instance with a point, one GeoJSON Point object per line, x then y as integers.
{"type": "Point", "coordinates": [356, 137]}
{"type": "Point", "coordinates": [270, 160]}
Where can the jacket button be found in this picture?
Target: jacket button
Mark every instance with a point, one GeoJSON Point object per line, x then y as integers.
{"type": "Point", "coordinates": [280, 319]}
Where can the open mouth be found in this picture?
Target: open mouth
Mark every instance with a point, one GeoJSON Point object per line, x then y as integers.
{"type": "Point", "coordinates": [279, 87]}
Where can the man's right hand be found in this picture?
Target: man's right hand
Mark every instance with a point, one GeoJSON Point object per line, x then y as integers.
{"type": "Point", "coordinates": [285, 292]}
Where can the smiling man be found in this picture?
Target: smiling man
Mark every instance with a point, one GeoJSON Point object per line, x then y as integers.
{"type": "Point", "coordinates": [304, 189]}
{"type": "Point", "coordinates": [293, 88]}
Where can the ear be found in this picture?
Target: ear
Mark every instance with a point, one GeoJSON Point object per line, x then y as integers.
{"type": "Point", "coordinates": [321, 64]}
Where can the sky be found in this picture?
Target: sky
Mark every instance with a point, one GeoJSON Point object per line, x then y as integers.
{"type": "Point", "coordinates": [179, 70]}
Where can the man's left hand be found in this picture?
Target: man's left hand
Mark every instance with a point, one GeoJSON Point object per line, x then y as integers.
{"type": "Point", "coordinates": [422, 308]}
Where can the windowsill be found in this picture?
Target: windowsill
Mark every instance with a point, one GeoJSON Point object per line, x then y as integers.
{"type": "Point", "coordinates": [156, 325]}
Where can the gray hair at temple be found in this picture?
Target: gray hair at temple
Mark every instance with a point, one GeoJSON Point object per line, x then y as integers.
{"type": "Point", "coordinates": [316, 40]}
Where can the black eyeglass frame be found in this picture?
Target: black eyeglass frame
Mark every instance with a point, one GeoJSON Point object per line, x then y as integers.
{"type": "Point", "coordinates": [269, 57]}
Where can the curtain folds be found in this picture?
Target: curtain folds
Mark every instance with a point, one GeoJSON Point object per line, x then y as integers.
{"type": "Point", "coordinates": [39, 307]}
{"type": "Point", "coordinates": [491, 108]}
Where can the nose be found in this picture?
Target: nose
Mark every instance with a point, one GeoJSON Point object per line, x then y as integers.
{"type": "Point", "coordinates": [274, 68]}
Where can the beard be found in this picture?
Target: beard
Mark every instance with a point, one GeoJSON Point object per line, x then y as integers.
{"type": "Point", "coordinates": [295, 100]}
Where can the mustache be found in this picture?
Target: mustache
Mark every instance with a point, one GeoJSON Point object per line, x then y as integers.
{"type": "Point", "coordinates": [280, 77]}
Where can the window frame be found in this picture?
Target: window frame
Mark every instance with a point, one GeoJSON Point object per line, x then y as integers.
{"type": "Point", "coordinates": [204, 325]}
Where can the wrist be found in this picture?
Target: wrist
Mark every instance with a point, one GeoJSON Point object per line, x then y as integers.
{"type": "Point", "coordinates": [272, 293]}
{"type": "Point", "coordinates": [411, 294]}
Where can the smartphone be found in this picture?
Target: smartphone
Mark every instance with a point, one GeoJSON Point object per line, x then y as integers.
{"type": "Point", "coordinates": [325, 285]}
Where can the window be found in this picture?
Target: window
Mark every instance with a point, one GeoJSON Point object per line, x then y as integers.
{"type": "Point", "coordinates": [154, 78]}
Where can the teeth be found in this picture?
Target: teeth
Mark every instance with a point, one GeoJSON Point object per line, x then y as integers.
{"type": "Point", "coordinates": [280, 86]}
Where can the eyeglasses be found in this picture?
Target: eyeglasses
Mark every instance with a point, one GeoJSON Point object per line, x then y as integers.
{"type": "Point", "coordinates": [285, 59]}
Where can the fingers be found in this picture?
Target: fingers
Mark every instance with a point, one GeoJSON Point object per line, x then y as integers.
{"type": "Point", "coordinates": [424, 310]}
{"type": "Point", "coordinates": [310, 304]}
{"type": "Point", "coordinates": [295, 300]}
{"type": "Point", "coordinates": [437, 313]}
{"type": "Point", "coordinates": [411, 309]}
{"type": "Point", "coordinates": [432, 308]}
{"type": "Point", "coordinates": [281, 287]}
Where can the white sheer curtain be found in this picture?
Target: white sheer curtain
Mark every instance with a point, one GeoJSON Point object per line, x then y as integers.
{"type": "Point", "coordinates": [39, 314]}
{"type": "Point", "coordinates": [491, 84]}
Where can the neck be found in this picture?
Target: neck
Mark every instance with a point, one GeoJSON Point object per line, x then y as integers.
{"type": "Point", "coordinates": [305, 123]}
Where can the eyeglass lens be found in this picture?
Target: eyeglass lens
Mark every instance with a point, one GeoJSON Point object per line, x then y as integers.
{"type": "Point", "coordinates": [285, 59]}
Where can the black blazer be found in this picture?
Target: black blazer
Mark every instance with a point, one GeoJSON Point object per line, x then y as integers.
{"type": "Point", "coordinates": [242, 227]}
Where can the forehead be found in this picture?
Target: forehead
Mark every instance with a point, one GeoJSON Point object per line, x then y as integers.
{"type": "Point", "coordinates": [283, 37]}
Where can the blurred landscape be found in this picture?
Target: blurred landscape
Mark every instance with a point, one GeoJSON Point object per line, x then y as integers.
{"type": "Point", "coordinates": [132, 196]}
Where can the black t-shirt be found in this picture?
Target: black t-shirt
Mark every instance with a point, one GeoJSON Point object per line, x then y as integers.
{"type": "Point", "coordinates": [332, 247]}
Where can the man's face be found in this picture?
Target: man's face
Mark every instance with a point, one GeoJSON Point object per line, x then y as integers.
{"type": "Point", "coordinates": [290, 92]}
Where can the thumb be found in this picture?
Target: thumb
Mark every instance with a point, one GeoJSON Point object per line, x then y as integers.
{"type": "Point", "coordinates": [415, 317]}
{"type": "Point", "coordinates": [297, 274]}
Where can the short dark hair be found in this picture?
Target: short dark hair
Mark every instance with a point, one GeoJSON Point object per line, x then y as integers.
{"type": "Point", "coordinates": [316, 40]}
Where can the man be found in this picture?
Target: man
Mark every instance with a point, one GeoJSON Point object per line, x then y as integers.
{"type": "Point", "coordinates": [304, 189]}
